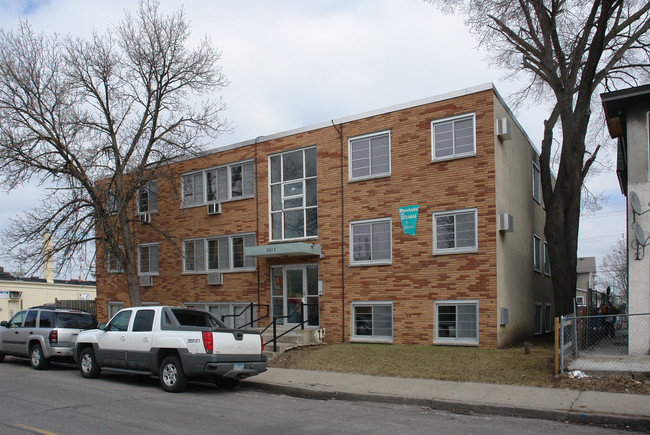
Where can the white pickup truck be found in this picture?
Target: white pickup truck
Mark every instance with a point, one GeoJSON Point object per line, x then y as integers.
{"type": "Point", "coordinates": [174, 343]}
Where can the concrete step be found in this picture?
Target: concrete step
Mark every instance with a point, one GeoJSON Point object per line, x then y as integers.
{"type": "Point", "coordinates": [295, 338]}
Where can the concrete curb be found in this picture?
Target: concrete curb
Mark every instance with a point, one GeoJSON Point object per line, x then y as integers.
{"type": "Point", "coordinates": [461, 407]}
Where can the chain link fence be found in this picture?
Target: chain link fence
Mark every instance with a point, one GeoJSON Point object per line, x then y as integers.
{"type": "Point", "coordinates": [605, 343]}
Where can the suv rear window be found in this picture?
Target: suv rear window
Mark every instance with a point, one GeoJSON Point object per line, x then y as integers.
{"type": "Point", "coordinates": [75, 321]}
{"type": "Point", "coordinates": [196, 318]}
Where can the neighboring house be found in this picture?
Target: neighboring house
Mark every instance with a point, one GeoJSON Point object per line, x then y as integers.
{"type": "Point", "coordinates": [19, 293]}
{"type": "Point", "coordinates": [628, 119]}
{"type": "Point", "coordinates": [420, 223]}
{"type": "Point", "coordinates": [586, 275]}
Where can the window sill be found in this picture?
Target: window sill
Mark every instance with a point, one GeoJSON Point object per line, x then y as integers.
{"type": "Point", "coordinates": [371, 263]}
{"type": "Point", "coordinates": [368, 177]}
{"type": "Point", "coordinates": [442, 342]}
{"type": "Point", "coordinates": [454, 252]}
{"type": "Point", "coordinates": [355, 339]}
{"type": "Point", "coordinates": [451, 158]}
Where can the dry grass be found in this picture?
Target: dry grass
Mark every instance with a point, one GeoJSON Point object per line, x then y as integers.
{"type": "Point", "coordinates": [465, 364]}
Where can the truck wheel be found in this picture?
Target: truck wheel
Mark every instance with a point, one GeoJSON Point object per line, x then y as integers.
{"type": "Point", "coordinates": [226, 383]}
{"type": "Point", "coordinates": [36, 357]}
{"type": "Point", "coordinates": [2, 357]}
{"type": "Point", "coordinates": [88, 364]}
{"type": "Point", "coordinates": [172, 378]}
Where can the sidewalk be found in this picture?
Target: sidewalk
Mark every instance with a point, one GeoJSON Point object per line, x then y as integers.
{"type": "Point", "coordinates": [590, 407]}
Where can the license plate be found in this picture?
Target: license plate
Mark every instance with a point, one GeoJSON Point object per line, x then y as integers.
{"type": "Point", "coordinates": [238, 367]}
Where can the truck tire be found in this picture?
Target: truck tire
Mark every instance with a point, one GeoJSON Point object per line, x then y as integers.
{"type": "Point", "coordinates": [226, 383]}
{"type": "Point", "coordinates": [36, 357]}
{"type": "Point", "coordinates": [2, 357]}
{"type": "Point", "coordinates": [172, 378]}
{"type": "Point", "coordinates": [88, 364]}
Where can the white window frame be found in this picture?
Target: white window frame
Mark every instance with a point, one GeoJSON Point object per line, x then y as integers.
{"type": "Point", "coordinates": [283, 184]}
{"type": "Point", "coordinates": [452, 120]}
{"type": "Point", "coordinates": [536, 183]}
{"type": "Point", "coordinates": [113, 308]}
{"type": "Point", "coordinates": [455, 250]}
{"type": "Point", "coordinates": [538, 322]}
{"type": "Point", "coordinates": [371, 338]}
{"type": "Point", "coordinates": [547, 260]}
{"type": "Point", "coordinates": [151, 188]}
{"type": "Point", "coordinates": [223, 194]}
{"type": "Point", "coordinates": [372, 261]}
{"type": "Point", "coordinates": [199, 246]}
{"type": "Point", "coordinates": [369, 137]}
{"type": "Point", "coordinates": [249, 266]}
{"type": "Point", "coordinates": [460, 341]}
{"type": "Point", "coordinates": [153, 266]}
{"type": "Point", "coordinates": [109, 257]}
{"type": "Point", "coordinates": [537, 253]}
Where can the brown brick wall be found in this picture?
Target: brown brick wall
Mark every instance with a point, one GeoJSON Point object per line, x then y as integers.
{"type": "Point", "coordinates": [414, 279]}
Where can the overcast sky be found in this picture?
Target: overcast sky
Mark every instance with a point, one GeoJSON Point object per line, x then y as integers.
{"type": "Point", "coordinates": [294, 63]}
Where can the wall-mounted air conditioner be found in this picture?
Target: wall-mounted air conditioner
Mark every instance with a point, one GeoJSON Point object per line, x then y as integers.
{"type": "Point", "coordinates": [214, 208]}
{"type": "Point", "coordinates": [505, 222]}
{"type": "Point", "coordinates": [14, 295]}
{"type": "Point", "coordinates": [146, 281]}
{"type": "Point", "coordinates": [504, 129]}
{"type": "Point", "coordinates": [215, 278]}
{"type": "Point", "coordinates": [145, 218]}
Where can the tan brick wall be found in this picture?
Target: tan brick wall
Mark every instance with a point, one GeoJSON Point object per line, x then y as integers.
{"type": "Point", "coordinates": [414, 279]}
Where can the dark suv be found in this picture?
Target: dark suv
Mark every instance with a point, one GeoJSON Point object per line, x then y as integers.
{"type": "Point", "coordinates": [42, 334]}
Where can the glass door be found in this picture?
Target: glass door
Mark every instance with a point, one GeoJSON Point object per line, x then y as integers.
{"type": "Point", "coordinates": [291, 287]}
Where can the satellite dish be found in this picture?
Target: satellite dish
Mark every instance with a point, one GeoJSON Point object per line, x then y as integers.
{"type": "Point", "coordinates": [635, 202]}
{"type": "Point", "coordinates": [639, 234]}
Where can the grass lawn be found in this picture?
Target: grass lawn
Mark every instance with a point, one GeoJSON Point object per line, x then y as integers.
{"type": "Point", "coordinates": [501, 366]}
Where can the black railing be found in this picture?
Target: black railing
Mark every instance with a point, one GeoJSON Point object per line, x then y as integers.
{"type": "Point", "coordinates": [251, 307]}
{"type": "Point", "coordinates": [274, 323]}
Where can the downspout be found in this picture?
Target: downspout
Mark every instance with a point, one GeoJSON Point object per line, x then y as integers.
{"type": "Point", "coordinates": [257, 219]}
{"type": "Point", "coordinates": [339, 130]}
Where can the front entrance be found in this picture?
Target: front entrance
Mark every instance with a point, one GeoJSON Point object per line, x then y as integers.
{"type": "Point", "coordinates": [294, 293]}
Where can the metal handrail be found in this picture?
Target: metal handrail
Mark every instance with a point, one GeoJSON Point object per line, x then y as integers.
{"type": "Point", "coordinates": [273, 323]}
{"type": "Point", "coordinates": [250, 307]}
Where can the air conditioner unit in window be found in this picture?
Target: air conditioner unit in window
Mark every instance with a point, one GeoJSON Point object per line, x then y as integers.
{"type": "Point", "coordinates": [503, 316]}
{"type": "Point", "coordinates": [14, 295]}
{"type": "Point", "coordinates": [145, 218]}
{"type": "Point", "coordinates": [504, 129]}
{"type": "Point", "coordinates": [146, 281]}
{"type": "Point", "coordinates": [214, 208]}
{"type": "Point", "coordinates": [215, 278]}
{"type": "Point", "coordinates": [505, 222]}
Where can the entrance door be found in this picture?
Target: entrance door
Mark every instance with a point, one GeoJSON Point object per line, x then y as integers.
{"type": "Point", "coordinates": [293, 287]}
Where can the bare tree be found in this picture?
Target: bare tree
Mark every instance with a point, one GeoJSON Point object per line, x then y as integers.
{"type": "Point", "coordinates": [613, 269]}
{"type": "Point", "coordinates": [96, 121]}
{"type": "Point", "coordinates": [565, 50]}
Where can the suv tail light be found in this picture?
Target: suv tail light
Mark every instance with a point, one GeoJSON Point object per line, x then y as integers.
{"type": "Point", "coordinates": [54, 336]}
{"type": "Point", "coordinates": [208, 342]}
{"type": "Point", "coordinates": [262, 341]}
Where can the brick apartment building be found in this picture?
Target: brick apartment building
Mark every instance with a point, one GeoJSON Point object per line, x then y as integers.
{"type": "Point", "coordinates": [312, 216]}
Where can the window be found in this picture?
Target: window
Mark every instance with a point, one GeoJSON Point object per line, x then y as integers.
{"type": "Point", "coordinates": [232, 314]}
{"type": "Point", "coordinates": [114, 265]}
{"type": "Point", "coordinates": [219, 184]}
{"type": "Point", "coordinates": [547, 318]}
{"type": "Point", "coordinates": [538, 318]}
{"type": "Point", "coordinates": [148, 198]}
{"type": "Point", "coordinates": [537, 253]}
{"type": "Point", "coordinates": [453, 138]}
{"type": "Point", "coordinates": [371, 242]}
{"type": "Point", "coordinates": [227, 253]}
{"type": "Point", "coordinates": [17, 320]}
{"type": "Point", "coordinates": [148, 259]}
{"type": "Point", "coordinates": [369, 156]}
{"type": "Point", "coordinates": [111, 201]}
{"type": "Point", "coordinates": [454, 232]}
{"type": "Point", "coordinates": [120, 322]}
{"type": "Point", "coordinates": [536, 184]}
{"type": "Point", "coordinates": [456, 322]}
{"type": "Point", "coordinates": [194, 255]}
{"type": "Point", "coordinates": [223, 254]}
{"type": "Point", "coordinates": [547, 261]}
{"type": "Point", "coordinates": [294, 199]}
{"type": "Point", "coordinates": [30, 320]}
{"type": "Point", "coordinates": [113, 308]}
{"type": "Point", "coordinates": [372, 321]}
{"type": "Point", "coordinates": [143, 321]}
{"type": "Point", "coordinates": [47, 319]}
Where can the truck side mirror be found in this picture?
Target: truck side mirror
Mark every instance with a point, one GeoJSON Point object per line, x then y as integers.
{"type": "Point", "coordinates": [102, 326]}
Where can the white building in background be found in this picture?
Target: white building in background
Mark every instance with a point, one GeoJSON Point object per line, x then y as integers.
{"type": "Point", "coordinates": [628, 119]}
{"type": "Point", "coordinates": [19, 293]}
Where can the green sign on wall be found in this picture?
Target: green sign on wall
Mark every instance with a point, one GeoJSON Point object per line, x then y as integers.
{"type": "Point", "coordinates": [409, 217]}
